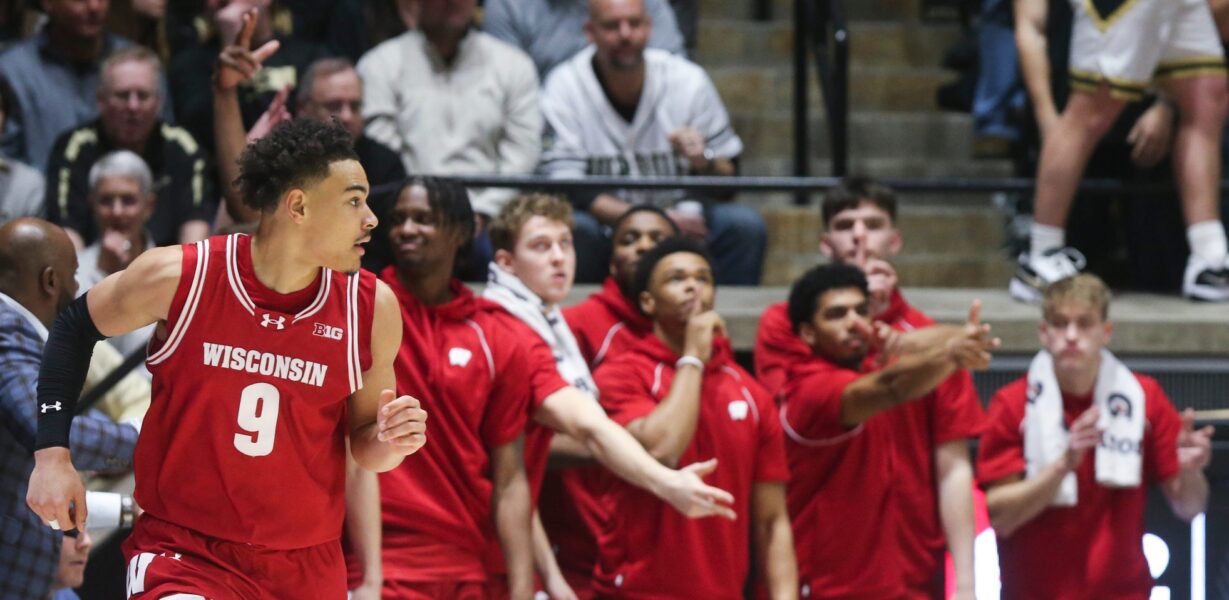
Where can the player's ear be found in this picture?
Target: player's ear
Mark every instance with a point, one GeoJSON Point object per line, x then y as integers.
{"type": "Point", "coordinates": [503, 259]}
{"type": "Point", "coordinates": [295, 202]}
{"type": "Point", "coordinates": [647, 304]}
{"type": "Point", "coordinates": [825, 245]}
{"type": "Point", "coordinates": [807, 332]}
{"type": "Point", "coordinates": [897, 243]}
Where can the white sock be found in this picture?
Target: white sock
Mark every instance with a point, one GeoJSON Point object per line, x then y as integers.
{"type": "Point", "coordinates": [1043, 238]}
{"type": "Point", "coordinates": [1207, 240]}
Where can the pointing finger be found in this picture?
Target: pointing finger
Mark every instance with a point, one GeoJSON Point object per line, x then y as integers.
{"type": "Point", "coordinates": [249, 28]}
{"type": "Point", "coordinates": [266, 50]}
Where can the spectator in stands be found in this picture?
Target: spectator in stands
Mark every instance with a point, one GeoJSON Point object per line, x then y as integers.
{"type": "Point", "coordinates": [999, 93]}
{"type": "Point", "coordinates": [1069, 452]}
{"type": "Point", "coordinates": [551, 31]}
{"type": "Point", "coordinates": [606, 324]}
{"type": "Point", "coordinates": [122, 200]}
{"type": "Point", "coordinates": [844, 438]}
{"type": "Point", "coordinates": [192, 64]}
{"type": "Point", "coordinates": [530, 276]}
{"type": "Point", "coordinates": [617, 108]}
{"type": "Point", "coordinates": [129, 100]}
{"type": "Point", "coordinates": [37, 266]}
{"type": "Point", "coordinates": [1115, 56]}
{"type": "Point", "coordinates": [21, 186]}
{"type": "Point", "coordinates": [654, 390]}
{"type": "Point", "coordinates": [54, 75]}
{"type": "Point", "coordinates": [74, 554]}
{"type": "Point", "coordinates": [453, 100]}
{"type": "Point", "coordinates": [936, 480]}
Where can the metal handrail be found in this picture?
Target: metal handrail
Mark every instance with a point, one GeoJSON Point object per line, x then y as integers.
{"type": "Point", "coordinates": [958, 185]}
{"type": "Point", "coordinates": [824, 31]}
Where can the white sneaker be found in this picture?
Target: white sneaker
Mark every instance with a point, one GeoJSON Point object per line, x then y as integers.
{"type": "Point", "coordinates": [1032, 277]}
{"type": "Point", "coordinates": [1204, 281]}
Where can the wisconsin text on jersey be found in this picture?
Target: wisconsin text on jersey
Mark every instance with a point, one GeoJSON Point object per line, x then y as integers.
{"type": "Point", "coordinates": [265, 363]}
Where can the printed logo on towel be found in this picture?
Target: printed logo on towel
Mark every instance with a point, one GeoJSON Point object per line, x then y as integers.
{"type": "Point", "coordinates": [459, 357]}
{"type": "Point", "coordinates": [1034, 391]}
{"type": "Point", "coordinates": [738, 410]}
{"type": "Point", "coordinates": [1119, 406]}
{"type": "Point", "coordinates": [1120, 445]}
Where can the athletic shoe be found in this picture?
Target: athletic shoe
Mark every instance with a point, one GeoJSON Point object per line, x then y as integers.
{"type": "Point", "coordinates": [1032, 277]}
{"type": "Point", "coordinates": [1206, 282]}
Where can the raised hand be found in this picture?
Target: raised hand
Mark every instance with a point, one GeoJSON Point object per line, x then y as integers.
{"type": "Point", "coordinates": [881, 281]}
{"type": "Point", "coordinates": [238, 62]}
{"type": "Point", "coordinates": [701, 327]}
{"type": "Point", "coordinates": [1084, 435]}
{"type": "Point", "coordinates": [1194, 446]}
{"type": "Point", "coordinates": [689, 495]}
{"type": "Point", "coordinates": [972, 348]}
{"type": "Point", "coordinates": [401, 423]}
{"type": "Point", "coordinates": [276, 114]}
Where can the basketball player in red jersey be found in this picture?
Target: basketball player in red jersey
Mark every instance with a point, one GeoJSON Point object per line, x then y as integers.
{"type": "Point", "coordinates": [271, 350]}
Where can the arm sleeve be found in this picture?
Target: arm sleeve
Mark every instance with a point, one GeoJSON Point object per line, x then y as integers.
{"type": "Point", "coordinates": [812, 409]}
{"type": "Point", "coordinates": [1001, 452]}
{"type": "Point", "coordinates": [960, 412]}
{"type": "Point", "coordinates": [66, 360]}
{"type": "Point", "coordinates": [1160, 434]}
{"type": "Point", "coordinates": [543, 375]}
{"type": "Point", "coordinates": [66, 189]}
{"type": "Point", "coordinates": [770, 462]}
{"type": "Point", "coordinates": [507, 409]}
{"type": "Point", "coordinates": [563, 150]}
{"type": "Point", "coordinates": [499, 21]}
{"type": "Point", "coordinates": [710, 118]}
{"type": "Point", "coordinates": [626, 396]}
{"type": "Point", "coordinates": [380, 97]}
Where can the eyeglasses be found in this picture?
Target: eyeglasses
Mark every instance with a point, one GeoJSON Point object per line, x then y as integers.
{"type": "Point", "coordinates": [125, 200]}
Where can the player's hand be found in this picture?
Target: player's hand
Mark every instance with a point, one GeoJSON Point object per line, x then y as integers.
{"type": "Point", "coordinates": [881, 281]}
{"type": "Point", "coordinates": [701, 328]}
{"type": "Point", "coordinates": [689, 142]}
{"type": "Point", "coordinates": [368, 590]}
{"type": "Point", "coordinates": [1152, 134]}
{"type": "Point", "coordinates": [972, 348]}
{"type": "Point", "coordinates": [887, 342]}
{"type": "Point", "coordinates": [556, 586]}
{"type": "Point", "coordinates": [116, 244]}
{"type": "Point", "coordinates": [688, 494]}
{"type": "Point", "coordinates": [238, 62]}
{"type": "Point", "coordinates": [401, 423]}
{"type": "Point", "coordinates": [1084, 434]}
{"type": "Point", "coordinates": [1194, 446]}
{"type": "Point", "coordinates": [56, 494]}
{"type": "Point", "coordinates": [272, 117]}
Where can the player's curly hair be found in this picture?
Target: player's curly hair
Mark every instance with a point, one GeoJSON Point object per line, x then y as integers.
{"type": "Point", "coordinates": [294, 155]}
{"type": "Point", "coordinates": [805, 293]}
{"type": "Point", "coordinates": [648, 262]}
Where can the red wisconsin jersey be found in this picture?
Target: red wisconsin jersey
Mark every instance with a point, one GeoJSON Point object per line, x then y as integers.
{"type": "Point", "coordinates": [245, 437]}
{"type": "Point", "coordinates": [651, 550]}
{"type": "Point", "coordinates": [953, 411]}
{"type": "Point", "coordinates": [606, 323]}
{"type": "Point", "coordinates": [467, 369]}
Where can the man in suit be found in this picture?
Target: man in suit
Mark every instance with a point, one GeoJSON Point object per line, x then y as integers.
{"type": "Point", "coordinates": [37, 268]}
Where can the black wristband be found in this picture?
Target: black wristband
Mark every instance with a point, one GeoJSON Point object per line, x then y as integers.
{"type": "Point", "coordinates": [66, 360]}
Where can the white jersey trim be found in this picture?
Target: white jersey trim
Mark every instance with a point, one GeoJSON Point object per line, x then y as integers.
{"type": "Point", "coordinates": [803, 441]}
{"type": "Point", "coordinates": [490, 360]}
{"type": "Point", "coordinates": [195, 291]}
{"type": "Point", "coordinates": [322, 296]}
{"type": "Point", "coordinates": [353, 364]}
{"type": "Point", "coordinates": [601, 353]}
{"type": "Point", "coordinates": [232, 275]}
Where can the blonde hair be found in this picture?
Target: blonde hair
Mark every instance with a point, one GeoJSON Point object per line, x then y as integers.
{"type": "Point", "coordinates": [139, 54]}
{"type": "Point", "coordinates": [506, 227]}
{"type": "Point", "coordinates": [1085, 288]}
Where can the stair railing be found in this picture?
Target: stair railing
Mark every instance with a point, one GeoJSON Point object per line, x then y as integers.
{"type": "Point", "coordinates": [821, 29]}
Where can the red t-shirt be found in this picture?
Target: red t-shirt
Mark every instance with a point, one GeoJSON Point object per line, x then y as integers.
{"type": "Point", "coordinates": [606, 323]}
{"type": "Point", "coordinates": [465, 367]}
{"type": "Point", "coordinates": [652, 551]}
{"type": "Point", "coordinates": [953, 411]}
{"type": "Point", "coordinates": [249, 401]}
{"type": "Point", "coordinates": [1092, 549]}
{"type": "Point", "coordinates": [842, 500]}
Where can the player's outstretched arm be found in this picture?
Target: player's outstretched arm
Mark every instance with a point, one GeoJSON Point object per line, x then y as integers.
{"type": "Point", "coordinates": [954, 487]}
{"type": "Point", "coordinates": [774, 540]}
{"type": "Point", "coordinates": [574, 413]}
{"type": "Point", "coordinates": [384, 428]}
{"type": "Point", "coordinates": [124, 301]}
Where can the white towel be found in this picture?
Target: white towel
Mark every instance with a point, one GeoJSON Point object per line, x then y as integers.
{"type": "Point", "coordinates": [1121, 400]}
{"type": "Point", "coordinates": [512, 293]}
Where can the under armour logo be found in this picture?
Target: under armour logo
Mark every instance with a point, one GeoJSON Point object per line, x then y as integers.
{"type": "Point", "coordinates": [738, 410]}
{"type": "Point", "coordinates": [459, 357]}
{"type": "Point", "coordinates": [47, 407]}
{"type": "Point", "coordinates": [269, 321]}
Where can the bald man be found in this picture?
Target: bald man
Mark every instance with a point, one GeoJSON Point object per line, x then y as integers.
{"type": "Point", "coordinates": [37, 279]}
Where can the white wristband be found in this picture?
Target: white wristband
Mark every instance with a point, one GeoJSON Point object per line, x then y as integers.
{"type": "Point", "coordinates": [105, 509]}
{"type": "Point", "coordinates": [689, 360]}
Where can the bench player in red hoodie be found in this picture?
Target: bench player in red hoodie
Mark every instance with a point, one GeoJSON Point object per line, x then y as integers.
{"type": "Point", "coordinates": [680, 393]}
{"type": "Point", "coordinates": [605, 324]}
{"type": "Point", "coordinates": [859, 218]}
{"type": "Point", "coordinates": [271, 351]}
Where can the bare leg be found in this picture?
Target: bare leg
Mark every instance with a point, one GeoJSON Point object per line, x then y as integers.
{"type": "Point", "coordinates": [1202, 104]}
{"type": "Point", "coordinates": [1065, 152]}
